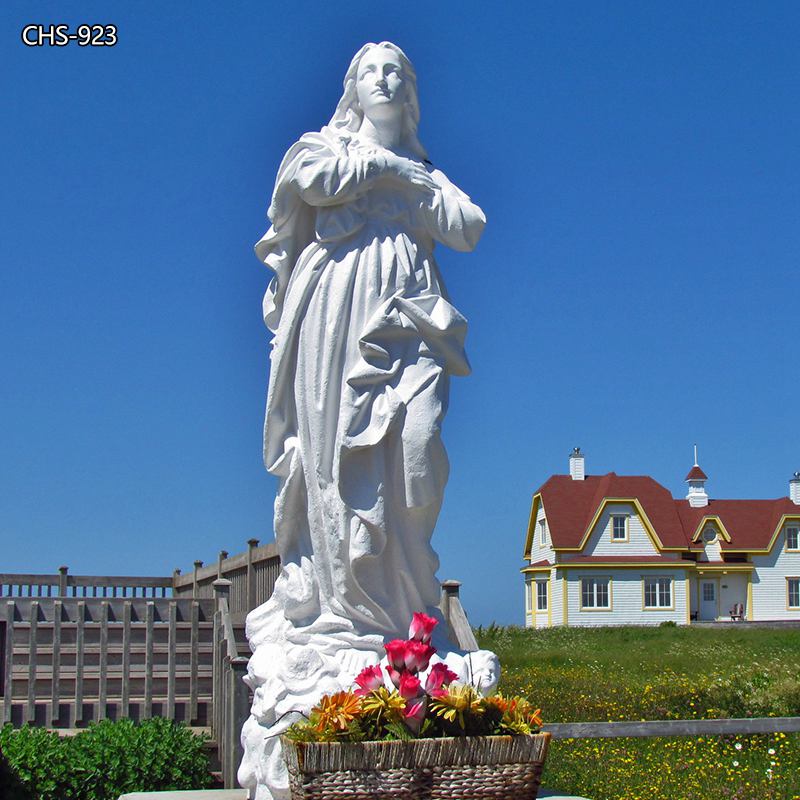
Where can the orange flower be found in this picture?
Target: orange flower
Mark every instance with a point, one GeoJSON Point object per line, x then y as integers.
{"type": "Point", "coordinates": [337, 710]}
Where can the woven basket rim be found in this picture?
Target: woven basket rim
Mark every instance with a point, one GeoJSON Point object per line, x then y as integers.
{"type": "Point", "coordinates": [380, 754]}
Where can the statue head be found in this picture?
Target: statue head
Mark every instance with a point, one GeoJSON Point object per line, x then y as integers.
{"type": "Point", "coordinates": [398, 92]}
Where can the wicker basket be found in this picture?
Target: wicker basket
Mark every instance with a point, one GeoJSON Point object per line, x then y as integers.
{"type": "Point", "coordinates": [467, 768]}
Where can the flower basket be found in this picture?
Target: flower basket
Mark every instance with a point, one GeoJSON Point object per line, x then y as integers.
{"type": "Point", "coordinates": [462, 768]}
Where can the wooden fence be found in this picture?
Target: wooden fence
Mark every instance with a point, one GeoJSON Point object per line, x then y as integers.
{"type": "Point", "coordinates": [252, 577]}
{"type": "Point", "coordinates": [67, 661]}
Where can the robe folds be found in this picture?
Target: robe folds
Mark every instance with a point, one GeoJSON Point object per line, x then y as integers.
{"type": "Point", "coordinates": [365, 341]}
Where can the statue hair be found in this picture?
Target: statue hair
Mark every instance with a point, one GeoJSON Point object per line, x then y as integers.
{"type": "Point", "coordinates": [348, 115]}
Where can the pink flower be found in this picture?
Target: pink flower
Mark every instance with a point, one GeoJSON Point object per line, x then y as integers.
{"type": "Point", "coordinates": [396, 653]}
{"type": "Point", "coordinates": [409, 687]}
{"type": "Point", "coordinates": [417, 656]}
{"type": "Point", "coordinates": [395, 675]}
{"type": "Point", "coordinates": [368, 680]}
{"type": "Point", "coordinates": [439, 677]}
{"type": "Point", "coordinates": [414, 713]}
{"type": "Point", "coordinates": [422, 627]}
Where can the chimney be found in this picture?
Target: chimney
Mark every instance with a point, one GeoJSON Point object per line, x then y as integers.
{"type": "Point", "coordinates": [696, 479]}
{"type": "Point", "coordinates": [794, 489]}
{"type": "Point", "coordinates": [576, 470]}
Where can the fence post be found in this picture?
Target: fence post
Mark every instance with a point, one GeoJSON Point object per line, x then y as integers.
{"type": "Point", "coordinates": [223, 554]}
{"type": "Point", "coordinates": [62, 581]}
{"type": "Point", "coordinates": [449, 589]}
{"type": "Point", "coordinates": [238, 712]}
{"type": "Point", "coordinates": [251, 576]}
{"type": "Point", "coordinates": [197, 565]}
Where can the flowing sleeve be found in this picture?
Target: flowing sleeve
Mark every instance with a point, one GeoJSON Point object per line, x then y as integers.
{"type": "Point", "coordinates": [451, 217]}
{"type": "Point", "coordinates": [323, 177]}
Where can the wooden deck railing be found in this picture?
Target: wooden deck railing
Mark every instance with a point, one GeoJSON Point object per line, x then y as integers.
{"type": "Point", "coordinates": [67, 661]}
{"type": "Point", "coordinates": [252, 577]}
{"type": "Point", "coordinates": [65, 585]}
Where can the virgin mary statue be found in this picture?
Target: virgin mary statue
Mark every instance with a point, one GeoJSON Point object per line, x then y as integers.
{"type": "Point", "coordinates": [365, 342]}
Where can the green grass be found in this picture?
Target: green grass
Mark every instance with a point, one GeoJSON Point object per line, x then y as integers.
{"type": "Point", "coordinates": [631, 673]}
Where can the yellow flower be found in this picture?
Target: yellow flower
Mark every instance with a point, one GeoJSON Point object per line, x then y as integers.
{"type": "Point", "coordinates": [383, 702]}
{"type": "Point", "coordinates": [458, 701]}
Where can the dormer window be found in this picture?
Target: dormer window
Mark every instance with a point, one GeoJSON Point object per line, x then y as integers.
{"type": "Point", "coordinates": [709, 536]}
{"type": "Point", "coordinates": [542, 532]}
{"type": "Point", "coordinates": [619, 528]}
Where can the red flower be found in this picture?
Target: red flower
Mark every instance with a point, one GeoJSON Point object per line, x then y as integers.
{"type": "Point", "coordinates": [368, 680]}
{"type": "Point", "coordinates": [409, 687]}
{"type": "Point", "coordinates": [395, 675]}
{"type": "Point", "coordinates": [417, 656]}
{"type": "Point", "coordinates": [439, 677]}
{"type": "Point", "coordinates": [396, 653]}
{"type": "Point", "coordinates": [414, 713]}
{"type": "Point", "coordinates": [422, 627]}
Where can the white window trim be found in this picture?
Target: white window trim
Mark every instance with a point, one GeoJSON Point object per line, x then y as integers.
{"type": "Point", "coordinates": [543, 532]}
{"type": "Point", "coordinates": [627, 521]}
{"type": "Point", "coordinates": [671, 606]}
{"type": "Point", "coordinates": [546, 585]}
{"type": "Point", "coordinates": [610, 606]}
{"type": "Point", "coordinates": [789, 579]}
{"type": "Point", "coordinates": [792, 549]}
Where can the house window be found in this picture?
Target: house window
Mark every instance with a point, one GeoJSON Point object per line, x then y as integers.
{"type": "Point", "coordinates": [709, 535]}
{"type": "Point", "coordinates": [658, 592]}
{"type": "Point", "coordinates": [793, 538]}
{"type": "Point", "coordinates": [528, 593]}
{"type": "Point", "coordinates": [542, 532]}
{"type": "Point", "coordinates": [541, 595]}
{"type": "Point", "coordinates": [619, 528]}
{"type": "Point", "coordinates": [794, 592]}
{"type": "Point", "coordinates": [708, 592]}
{"type": "Point", "coordinates": [595, 593]}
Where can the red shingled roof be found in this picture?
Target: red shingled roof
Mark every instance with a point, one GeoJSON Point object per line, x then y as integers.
{"type": "Point", "coordinates": [696, 474]}
{"type": "Point", "coordinates": [750, 523]}
{"type": "Point", "coordinates": [571, 505]}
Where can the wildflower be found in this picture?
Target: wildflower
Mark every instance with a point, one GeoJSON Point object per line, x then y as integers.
{"type": "Point", "coordinates": [422, 627]}
{"type": "Point", "coordinates": [735, 763]}
{"type": "Point", "coordinates": [368, 680]}
{"type": "Point", "coordinates": [738, 745]}
{"type": "Point", "coordinates": [771, 751]}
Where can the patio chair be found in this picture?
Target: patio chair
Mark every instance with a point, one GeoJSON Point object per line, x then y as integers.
{"type": "Point", "coordinates": [737, 612]}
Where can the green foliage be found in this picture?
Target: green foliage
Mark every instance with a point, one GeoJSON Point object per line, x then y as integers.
{"type": "Point", "coordinates": [104, 761]}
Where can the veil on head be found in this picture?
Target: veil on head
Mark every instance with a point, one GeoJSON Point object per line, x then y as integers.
{"type": "Point", "coordinates": [348, 114]}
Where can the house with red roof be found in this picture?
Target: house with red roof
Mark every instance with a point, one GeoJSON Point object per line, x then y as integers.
{"type": "Point", "coordinates": [620, 550]}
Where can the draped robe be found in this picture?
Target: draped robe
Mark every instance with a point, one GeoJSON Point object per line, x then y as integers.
{"type": "Point", "coordinates": [365, 342]}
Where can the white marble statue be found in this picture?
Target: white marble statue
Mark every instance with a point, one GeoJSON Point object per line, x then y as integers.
{"type": "Point", "coordinates": [365, 343]}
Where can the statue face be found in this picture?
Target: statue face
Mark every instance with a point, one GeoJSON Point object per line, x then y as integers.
{"type": "Point", "coordinates": [380, 84]}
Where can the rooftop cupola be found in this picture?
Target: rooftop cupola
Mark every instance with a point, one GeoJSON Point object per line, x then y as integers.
{"type": "Point", "coordinates": [794, 489]}
{"type": "Point", "coordinates": [696, 479]}
{"type": "Point", "coordinates": [576, 468]}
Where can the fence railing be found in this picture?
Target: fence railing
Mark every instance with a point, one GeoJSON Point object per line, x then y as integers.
{"type": "Point", "coordinates": [673, 727]}
{"type": "Point", "coordinates": [252, 577]}
{"type": "Point", "coordinates": [65, 585]}
{"type": "Point", "coordinates": [67, 661]}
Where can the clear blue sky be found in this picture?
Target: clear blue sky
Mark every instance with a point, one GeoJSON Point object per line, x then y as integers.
{"type": "Point", "coordinates": [636, 289]}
